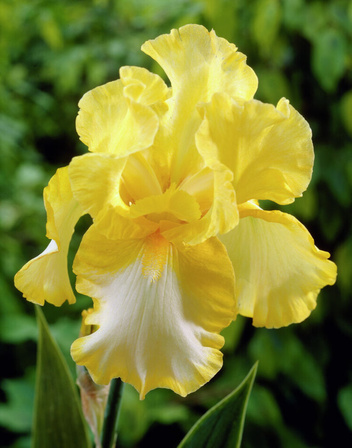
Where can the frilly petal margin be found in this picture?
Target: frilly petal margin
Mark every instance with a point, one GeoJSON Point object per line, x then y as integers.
{"type": "Point", "coordinates": [268, 149]}
{"type": "Point", "coordinates": [279, 271]}
{"type": "Point", "coordinates": [144, 87]}
{"type": "Point", "coordinates": [199, 63]}
{"type": "Point", "coordinates": [159, 311]}
{"type": "Point", "coordinates": [105, 115]}
{"type": "Point", "coordinates": [45, 278]}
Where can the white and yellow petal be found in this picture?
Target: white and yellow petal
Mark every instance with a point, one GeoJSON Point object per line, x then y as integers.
{"type": "Point", "coordinates": [279, 271]}
{"type": "Point", "coordinates": [45, 278]}
{"type": "Point", "coordinates": [268, 149]}
{"type": "Point", "coordinates": [110, 122]}
{"type": "Point", "coordinates": [159, 311]}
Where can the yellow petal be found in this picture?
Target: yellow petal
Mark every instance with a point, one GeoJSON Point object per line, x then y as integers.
{"type": "Point", "coordinates": [144, 87]}
{"type": "Point", "coordinates": [268, 149]}
{"type": "Point", "coordinates": [198, 64]}
{"type": "Point", "coordinates": [220, 218]}
{"type": "Point", "coordinates": [110, 122]}
{"type": "Point", "coordinates": [159, 311]}
{"type": "Point", "coordinates": [139, 180]}
{"type": "Point", "coordinates": [95, 181]}
{"type": "Point", "coordinates": [115, 225]}
{"type": "Point", "coordinates": [45, 278]}
{"type": "Point", "coordinates": [279, 271]}
{"type": "Point", "coordinates": [173, 204]}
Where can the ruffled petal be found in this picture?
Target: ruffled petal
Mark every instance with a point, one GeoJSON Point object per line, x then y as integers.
{"type": "Point", "coordinates": [279, 271]}
{"type": "Point", "coordinates": [198, 64]}
{"type": "Point", "coordinates": [159, 311]}
{"type": "Point", "coordinates": [144, 87]}
{"type": "Point", "coordinates": [95, 181]}
{"type": "Point", "coordinates": [45, 278]}
{"type": "Point", "coordinates": [112, 123]}
{"type": "Point", "coordinates": [268, 149]}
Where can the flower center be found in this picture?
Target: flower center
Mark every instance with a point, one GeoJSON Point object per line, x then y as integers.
{"type": "Point", "coordinates": [142, 192]}
{"type": "Point", "coordinates": [201, 186]}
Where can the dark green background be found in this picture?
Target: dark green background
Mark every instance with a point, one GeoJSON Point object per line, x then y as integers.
{"type": "Point", "coordinates": [51, 53]}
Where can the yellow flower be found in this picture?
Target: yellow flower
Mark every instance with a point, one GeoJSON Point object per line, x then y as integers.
{"type": "Point", "coordinates": [170, 170]}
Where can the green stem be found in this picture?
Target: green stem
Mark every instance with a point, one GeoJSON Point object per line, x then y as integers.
{"type": "Point", "coordinates": [112, 412]}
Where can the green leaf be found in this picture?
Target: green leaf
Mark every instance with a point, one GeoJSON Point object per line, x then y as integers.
{"type": "Point", "coordinates": [346, 111]}
{"type": "Point", "coordinates": [222, 425]}
{"type": "Point", "coordinates": [268, 79]}
{"type": "Point", "coordinates": [293, 13]}
{"type": "Point", "coordinates": [266, 24]}
{"type": "Point", "coordinates": [344, 400]}
{"type": "Point", "coordinates": [58, 420]}
{"type": "Point", "coordinates": [16, 413]}
{"type": "Point", "coordinates": [17, 328]}
{"type": "Point", "coordinates": [344, 262]}
{"type": "Point", "coordinates": [233, 333]}
{"type": "Point", "coordinates": [329, 58]}
{"type": "Point", "coordinates": [281, 351]}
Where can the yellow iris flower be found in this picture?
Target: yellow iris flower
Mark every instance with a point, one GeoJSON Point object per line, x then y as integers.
{"type": "Point", "coordinates": [172, 183]}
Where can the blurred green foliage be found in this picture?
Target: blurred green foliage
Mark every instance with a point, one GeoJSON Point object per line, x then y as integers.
{"type": "Point", "coordinates": [51, 53]}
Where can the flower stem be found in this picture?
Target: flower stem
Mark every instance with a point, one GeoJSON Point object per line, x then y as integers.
{"type": "Point", "coordinates": [112, 411]}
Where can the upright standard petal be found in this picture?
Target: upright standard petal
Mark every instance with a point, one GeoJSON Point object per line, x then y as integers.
{"type": "Point", "coordinates": [198, 64]}
{"type": "Point", "coordinates": [45, 278]}
{"type": "Point", "coordinates": [268, 149]}
{"type": "Point", "coordinates": [159, 310]}
{"type": "Point", "coordinates": [110, 122]}
{"type": "Point", "coordinates": [279, 271]}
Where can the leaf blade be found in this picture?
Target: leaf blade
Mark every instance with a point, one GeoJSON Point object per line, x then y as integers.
{"type": "Point", "coordinates": [58, 419]}
{"type": "Point", "coordinates": [222, 426]}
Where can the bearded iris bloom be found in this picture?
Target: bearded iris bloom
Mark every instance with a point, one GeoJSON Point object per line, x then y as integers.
{"type": "Point", "coordinates": [179, 244]}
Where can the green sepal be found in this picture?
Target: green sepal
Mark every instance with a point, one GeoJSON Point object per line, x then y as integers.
{"type": "Point", "coordinates": [58, 419]}
{"type": "Point", "coordinates": [222, 425]}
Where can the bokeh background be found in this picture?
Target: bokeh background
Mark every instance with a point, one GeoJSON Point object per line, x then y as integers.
{"type": "Point", "coordinates": [51, 53]}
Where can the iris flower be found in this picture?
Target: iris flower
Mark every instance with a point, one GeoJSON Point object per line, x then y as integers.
{"type": "Point", "coordinates": [179, 244]}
